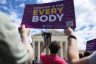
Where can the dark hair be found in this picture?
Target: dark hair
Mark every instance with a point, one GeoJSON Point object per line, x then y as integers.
{"type": "Point", "coordinates": [87, 53]}
{"type": "Point", "coordinates": [81, 55]}
{"type": "Point", "coordinates": [54, 47]}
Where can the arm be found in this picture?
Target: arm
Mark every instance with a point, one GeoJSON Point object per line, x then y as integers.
{"type": "Point", "coordinates": [11, 43]}
{"type": "Point", "coordinates": [42, 54]}
{"type": "Point", "coordinates": [72, 52]}
{"type": "Point", "coordinates": [24, 36]}
{"type": "Point", "coordinates": [43, 49]}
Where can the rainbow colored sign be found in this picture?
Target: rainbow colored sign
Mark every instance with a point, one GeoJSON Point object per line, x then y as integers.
{"type": "Point", "coordinates": [55, 15]}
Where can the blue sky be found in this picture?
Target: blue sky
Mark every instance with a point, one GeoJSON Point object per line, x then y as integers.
{"type": "Point", "coordinates": [85, 16]}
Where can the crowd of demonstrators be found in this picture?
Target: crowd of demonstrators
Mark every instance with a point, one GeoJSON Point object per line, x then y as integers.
{"type": "Point", "coordinates": [12, 49]}
{"type": "Point", "coordinates": [52, 58]}
{"type": "Point", "coordinates": [72, 52]}
{"type": "Point", "coordinates": [15, 48]}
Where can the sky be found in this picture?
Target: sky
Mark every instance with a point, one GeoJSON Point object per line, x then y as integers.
{"type": "Point", "coordinates": [85, 11]}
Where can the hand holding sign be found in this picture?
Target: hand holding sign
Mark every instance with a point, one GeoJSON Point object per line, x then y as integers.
{"type": "Point", "coordinates": [23, 30]}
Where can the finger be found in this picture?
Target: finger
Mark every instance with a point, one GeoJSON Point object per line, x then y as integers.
{"type": "Point", "coordinates": [28, 29]}
{"type": "Point", "coordinates": [70, 29]}
{"type": "Point", "coordinates": [23, 26]}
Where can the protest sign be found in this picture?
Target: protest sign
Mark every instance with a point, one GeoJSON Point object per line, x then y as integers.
{"type": "Point", "coordinates": [55, 15]}
{"type": "Point", "coordinates": [91, 45]}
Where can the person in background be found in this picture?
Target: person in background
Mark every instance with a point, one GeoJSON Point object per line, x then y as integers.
{"type": "Point", "coordinates": [52, 58]}
{"type": "Point", "coordinates": [12, 49]}
{"type": "Point", "coordinates": [87, 53]}
{"type": "Point", "coordinates": [81, 55]}
{"type": "Point", "coordinates": [72, 52]}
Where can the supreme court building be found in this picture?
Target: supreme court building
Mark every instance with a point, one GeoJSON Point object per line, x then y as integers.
{"type": "Point", "coordinates": [38, 42]}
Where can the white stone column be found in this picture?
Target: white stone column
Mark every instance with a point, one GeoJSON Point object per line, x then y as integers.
{"type": "Point", "coordinates": [61, 50]}
{"type": "Point", "coordinates": [34, 49]}
{"type": "Point", "coordinates": [65, 49]}
{"type": "Point", "coordinates": [38, 51]}
{"type": "Point", "coordinates": [47, 51]}
{"type": "Point", "coordinates": [66, 46]}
